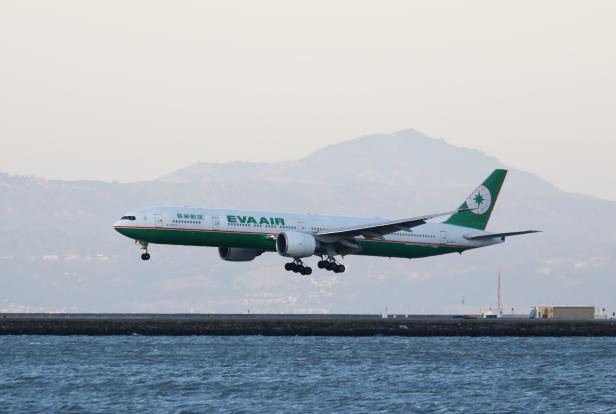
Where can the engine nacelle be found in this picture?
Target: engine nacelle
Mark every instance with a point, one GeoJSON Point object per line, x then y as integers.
{"type": "Point", "coordinates": [295, 244]}
{"type": "Point", "coordinates": [236, 254]}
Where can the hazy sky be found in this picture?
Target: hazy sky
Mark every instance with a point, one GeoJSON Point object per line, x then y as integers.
{"type": "Point", "coordinates": [132, 90]}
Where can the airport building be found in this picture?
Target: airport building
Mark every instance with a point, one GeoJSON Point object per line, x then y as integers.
{"type": "Point", "coordinates": [562, 312]}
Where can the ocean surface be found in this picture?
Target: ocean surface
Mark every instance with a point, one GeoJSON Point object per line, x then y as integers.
{"type": "Point", "coordinates": [307, 375]}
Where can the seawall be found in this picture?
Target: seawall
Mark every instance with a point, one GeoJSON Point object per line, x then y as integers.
{"type": "Point", "coordinates": [294, 325]}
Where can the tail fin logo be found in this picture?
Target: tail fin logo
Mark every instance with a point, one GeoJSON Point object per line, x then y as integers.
{"type": "Point", "coordinates": [480, 201]}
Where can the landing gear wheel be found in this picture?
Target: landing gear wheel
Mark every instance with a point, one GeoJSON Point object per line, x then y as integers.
{"type": "Point", "coordinates": [292, 267]}
{"type": "Point", "coordinates": [331, 265]}
{"type": "Point", "coordinates": [145, 256]}
{"type": "Point", "coordinates": [298, 267]}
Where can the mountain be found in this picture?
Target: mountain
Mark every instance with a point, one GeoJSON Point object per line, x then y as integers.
{"type": "Point", "coordinates": [59, 252]}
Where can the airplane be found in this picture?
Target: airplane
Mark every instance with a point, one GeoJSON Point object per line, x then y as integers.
{"type": "Point", "coordinates": [241, 236]}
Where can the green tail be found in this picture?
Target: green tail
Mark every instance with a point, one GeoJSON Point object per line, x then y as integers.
{"type": "Point", "coordinates": [481, 203]}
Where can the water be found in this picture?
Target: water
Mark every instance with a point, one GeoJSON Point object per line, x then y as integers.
{"type": "Point", "coordinates": [307, 375]}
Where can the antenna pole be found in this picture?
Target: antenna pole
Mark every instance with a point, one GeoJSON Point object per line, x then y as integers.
{"type": "Point", "coordinates": [498, 293]}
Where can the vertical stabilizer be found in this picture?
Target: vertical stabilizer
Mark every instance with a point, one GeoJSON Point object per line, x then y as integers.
{"type": "Point", "coordinates": [481, 203]}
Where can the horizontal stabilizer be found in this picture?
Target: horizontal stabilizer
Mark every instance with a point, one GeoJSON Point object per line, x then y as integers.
{"type": "Point", "coordinates": [498, 235]}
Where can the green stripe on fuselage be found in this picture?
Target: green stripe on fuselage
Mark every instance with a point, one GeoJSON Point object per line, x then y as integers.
{"type": "Point", "coordinates": [265, 242]}
{"type": "Point", "coordinates": [201, 238]}
{"type": "Point", "coordinates": [404, 250]}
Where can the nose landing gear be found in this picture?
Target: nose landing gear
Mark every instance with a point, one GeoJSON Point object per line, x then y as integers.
{"type": "Point", "coordinates": [297, 266]}
{"type": "Point", "coordinates": [143, 246]}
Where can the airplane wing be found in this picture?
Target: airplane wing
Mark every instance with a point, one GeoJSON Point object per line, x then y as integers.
{"type": "Point", "coordinates": [497, 235]}
{"type": "Point", "coordinates": [380, 229]}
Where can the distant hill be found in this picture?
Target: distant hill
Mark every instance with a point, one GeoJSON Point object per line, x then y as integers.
{"type": "Point", "coordinates": [59, 252]}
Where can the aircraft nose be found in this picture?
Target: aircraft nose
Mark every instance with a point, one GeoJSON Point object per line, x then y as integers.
{"type": "Point", "coordinates": [120, 227]}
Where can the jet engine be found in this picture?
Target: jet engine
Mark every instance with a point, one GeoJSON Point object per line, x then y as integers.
{"type": "Point", "coordinates": [236, 254]}
{"type": "Point", "coordinates": [295, 244]}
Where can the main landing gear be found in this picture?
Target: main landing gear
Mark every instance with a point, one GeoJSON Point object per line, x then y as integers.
{"type": "Point", "coordinates": [145, 256]}
{"type": "Point", "coordinates": [331, 265]}
{"type": "Point", "coordinates": [297, 266]}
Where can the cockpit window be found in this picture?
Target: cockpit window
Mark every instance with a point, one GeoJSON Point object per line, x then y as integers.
{"type": "Point", "coordinates": [128, 218]}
